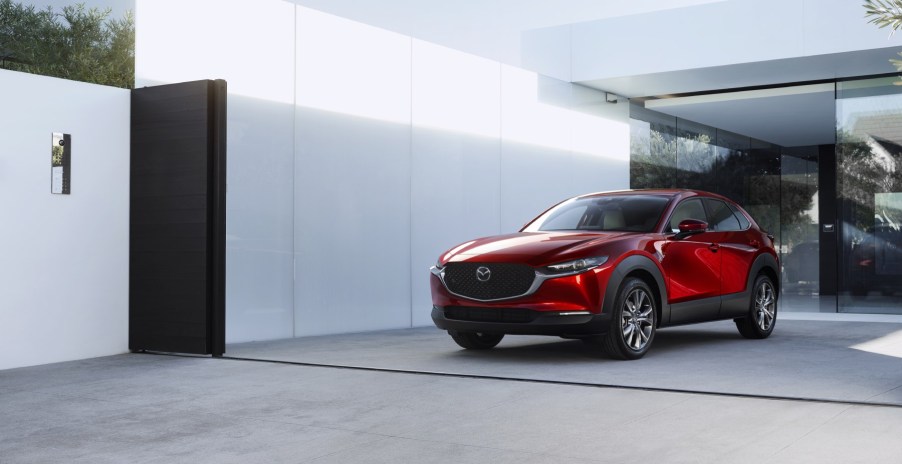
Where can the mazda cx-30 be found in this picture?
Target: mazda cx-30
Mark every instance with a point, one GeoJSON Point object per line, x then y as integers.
{"type": "Point", "coordinates": [612, 267]}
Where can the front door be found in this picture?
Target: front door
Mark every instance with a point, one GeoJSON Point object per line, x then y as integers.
{"type": "Point", "coordinates": [693, 266]}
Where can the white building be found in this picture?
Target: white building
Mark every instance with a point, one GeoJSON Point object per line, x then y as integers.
{"type": "Point", "coordinates": [364, 138]}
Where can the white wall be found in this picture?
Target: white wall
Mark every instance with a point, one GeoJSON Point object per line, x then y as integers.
{"type": "Point", "coordinates": [488, 28]}
{"type": "Point", "coordinates": [200, 43]}
{"type": "Point", "coordinates": [64, 270]}
{"type": "Point", "coordinates": [385, 151]}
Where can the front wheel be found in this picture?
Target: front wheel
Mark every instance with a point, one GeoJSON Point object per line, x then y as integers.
{"type": "Point", "coordinates": [475, 340]}
{"type": "Point", "coordinates": [762, 315]}
{"type": "Point", "coordinates": [634, 321]}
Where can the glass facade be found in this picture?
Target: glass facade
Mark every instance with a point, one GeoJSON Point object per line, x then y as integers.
{"type": "Point", "coordinates": [670, 152]}
{"type": "Point", "coordinates": [869, 181]}
{"type": "Point", "coordinates": [778, 186]}
{"type": "Point", "coordinates": [781, 188]}
{"type": "Point", "coordinates": [800, 222]}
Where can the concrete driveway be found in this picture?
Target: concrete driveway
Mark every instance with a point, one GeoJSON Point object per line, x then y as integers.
{"type": "Point", "coordinates": [803, 359]}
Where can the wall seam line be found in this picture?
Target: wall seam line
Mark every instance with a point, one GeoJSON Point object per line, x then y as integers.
{"type": "Point", "coordinates": [500, 147]}
{"type": "Point", "coordinates": [410, 197]}
{"type": "Point", "coordinates": [294, 174]}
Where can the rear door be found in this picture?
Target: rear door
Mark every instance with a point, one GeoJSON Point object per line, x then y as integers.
{"type": "Point", "coordinates": [738, 249]}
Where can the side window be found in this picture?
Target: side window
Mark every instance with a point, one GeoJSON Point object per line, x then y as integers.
{"type": "Point", "coordinates": [743, 221]}
{"type": "Point", "coordinates": [721, 216]}
{"type": "Point", "coordinates": [689, 209]}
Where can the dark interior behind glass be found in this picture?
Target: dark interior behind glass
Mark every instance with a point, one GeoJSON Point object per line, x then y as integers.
{"type": "Point", "coordinates": [626, 213]}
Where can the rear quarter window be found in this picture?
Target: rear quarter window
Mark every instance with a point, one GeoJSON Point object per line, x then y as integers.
{"type": "Point", "coordinates": [721, 216]}
{"type": "Point", "coordinates": [743, 221]}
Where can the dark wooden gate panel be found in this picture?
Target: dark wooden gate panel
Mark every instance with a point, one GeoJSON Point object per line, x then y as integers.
{"type": "Point", "coordinates": [177, 246]}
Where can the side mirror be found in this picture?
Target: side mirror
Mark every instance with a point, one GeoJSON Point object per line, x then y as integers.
{"type": "Point", "coordinates": [691, 226]}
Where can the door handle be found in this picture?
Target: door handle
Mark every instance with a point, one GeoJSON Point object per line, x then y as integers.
{"type": "Point", "coordinates": [754, 243]}
{"type": "Point", "coordinates": [714, 247]}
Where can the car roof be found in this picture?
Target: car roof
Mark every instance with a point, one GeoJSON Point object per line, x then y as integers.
{"type": "Point", "coordinates": [684, 193]}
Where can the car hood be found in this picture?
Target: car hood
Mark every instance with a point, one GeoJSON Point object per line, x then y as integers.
{"type": "Point", "coordinates": [536, 248]}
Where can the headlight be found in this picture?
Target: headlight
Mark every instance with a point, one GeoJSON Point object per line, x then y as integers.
{"type": "Point", "coordinates": [438, 269]}
{"type": "Point", "coordinates": [576, 266]}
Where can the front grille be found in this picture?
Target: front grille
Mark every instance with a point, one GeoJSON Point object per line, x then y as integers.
{"type": "Point", "coordinates": [511, 315]}
{"type": "Point", "coordinates": [506, 280]}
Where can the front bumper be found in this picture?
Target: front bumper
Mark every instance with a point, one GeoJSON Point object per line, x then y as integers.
{"type": "Point", "coordinates": [561, 306]}
{"type": "Point", "coordinates": [558, 323]}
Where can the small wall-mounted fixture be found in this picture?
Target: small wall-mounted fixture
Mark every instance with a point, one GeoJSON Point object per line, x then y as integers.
{"type": "Point", "coordinates": [610, 97]}
{"type": "Point", "coordinates": [60, 163]}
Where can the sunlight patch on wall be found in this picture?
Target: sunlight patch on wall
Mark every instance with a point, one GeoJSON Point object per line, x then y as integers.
{"type": "Point", "coordinates": [352, 68]}
{"type": "Point", "coordinates": [249, 44]}
{"type": "Point", "coordinates": [276, 51]}
{"type": "Point", "coordinates": [455, 91]}
{"type": "Point", "coordinates": [538, 110]}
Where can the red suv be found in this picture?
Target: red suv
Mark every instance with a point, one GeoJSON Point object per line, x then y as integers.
{"type": "Point", "coordinates": [612, 267]}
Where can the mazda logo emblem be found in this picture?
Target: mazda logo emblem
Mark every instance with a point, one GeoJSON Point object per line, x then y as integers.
{"type": "Point", "coordinates": [483, 274]}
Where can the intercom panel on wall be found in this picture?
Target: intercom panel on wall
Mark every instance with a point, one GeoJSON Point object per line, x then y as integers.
{"type": "Point", "coordinates": [60, 163]}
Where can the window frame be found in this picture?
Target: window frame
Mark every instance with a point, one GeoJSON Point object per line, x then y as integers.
{"type": "Point", "coordinates": [741, 213]}
{"type": "Point", "coordinates": [669, 230]}
{"type": "Point", "coordinates": [705, 201]}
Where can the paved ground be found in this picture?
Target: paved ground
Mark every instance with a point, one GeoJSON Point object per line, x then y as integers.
{"type": "Point", "coordinates": [152, 408]}
{"type": "Point", "coordinates": [843, 361]}
{"type": "Point", "coordinates": [141, 408]}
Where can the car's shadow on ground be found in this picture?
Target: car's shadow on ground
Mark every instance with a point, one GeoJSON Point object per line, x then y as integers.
{"type": "Point", "coordinates": [557, 350]}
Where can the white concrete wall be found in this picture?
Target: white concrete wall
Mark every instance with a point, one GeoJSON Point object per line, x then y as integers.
{"type": "Point", "coordinates": [258, 64]}
{"type": "Point", "coordinates": [64, 270]}
{"type": "Point", "coordinates": [490, 29]}
{"type": "Point", "coordinates": [369, 156]}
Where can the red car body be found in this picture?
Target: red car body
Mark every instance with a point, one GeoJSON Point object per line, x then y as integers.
{"type": "Point", "coordinates": [701, 275]}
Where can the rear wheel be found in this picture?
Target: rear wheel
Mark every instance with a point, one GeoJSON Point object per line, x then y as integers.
{"type": "Point", "coordinates": [762, 316]}
{"type": "Point", "coordinates": [634, 321]}
{"type": "Point", "coordinates": [475, 340]}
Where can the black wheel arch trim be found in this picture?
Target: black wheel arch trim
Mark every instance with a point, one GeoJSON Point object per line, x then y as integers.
{"type": "Point", "coordinates": [764, 260]}
{"type": "Point", "coordinates": [626, 267]}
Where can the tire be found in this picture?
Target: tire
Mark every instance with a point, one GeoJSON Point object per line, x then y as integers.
{"type": "Point", "coordinates": [475, 340]}
{"type": "Point", "coordinates": [762, 316]}
{"type": "Point", "coordinates": [633, 323]}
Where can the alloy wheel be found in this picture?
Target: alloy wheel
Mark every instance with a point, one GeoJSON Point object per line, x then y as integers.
{"type": "Point", "coordinates": [637, 319]}
{"type": "Point", "coordinates": [765, 306]}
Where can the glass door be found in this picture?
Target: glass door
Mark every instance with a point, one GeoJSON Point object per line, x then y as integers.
{"type": "Point", "coordinates": [869, 175]}
{"type": "Point", "coordinates": [799, 229]}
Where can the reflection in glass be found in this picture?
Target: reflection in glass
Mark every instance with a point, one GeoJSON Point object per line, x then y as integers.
{"type": "Point", "coordinates": [800, 220]}
{"type": "Point", "coordinates": [760, 177]}
{"type": "Point", "coordinates": [652, 149]}
{"type": "Point", "coordinates": [777, 186]}
{"type": "Point", "coordinates": [669, 152]}
{"type": "Point", "coordinates": [869, 152]}
{"type": "Point", "coordinates": [695, 155]}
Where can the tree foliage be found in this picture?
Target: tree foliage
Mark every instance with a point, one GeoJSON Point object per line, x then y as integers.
{"type": "Point", "coordinates": [79, 43]}
{"type": "Point", "coordinates": [885, 13]}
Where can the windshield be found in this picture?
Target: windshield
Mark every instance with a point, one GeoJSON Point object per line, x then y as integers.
{"type": "Point", "coordinates": [625, 213]}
